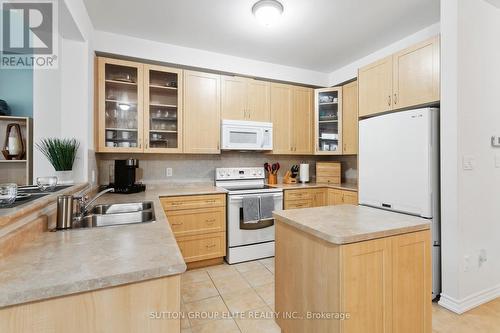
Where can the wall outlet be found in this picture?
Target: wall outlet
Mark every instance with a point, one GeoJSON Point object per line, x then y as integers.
{"type": "Point", "coordinates": [169, 172]}
{"type": "Point", "coordinates": [497, 161]}
{"type": "Point", "coordinates": [483, 257]}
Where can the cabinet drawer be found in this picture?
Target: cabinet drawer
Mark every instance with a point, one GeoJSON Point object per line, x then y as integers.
{"type": "Point", "coordinates": [294, 204]}
{"type": "Point", "coordinates": [297, 195]}
{"type": "Point", "coordinates": [350, 198]}
{"type": "Point", "coordinates": [193, 201]}
{"type": "Point", "coordinates": [202, 247]}
{"type": "Point", "coordinates": [327, 179]}
{"type": "Point", "coordinates": [187, 222]}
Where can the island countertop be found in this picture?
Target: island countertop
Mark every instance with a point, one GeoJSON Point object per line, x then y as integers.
{"type": "Point", "coordinates": [79, 260]}
{"type": "Point", "coordinates": [344, 224]}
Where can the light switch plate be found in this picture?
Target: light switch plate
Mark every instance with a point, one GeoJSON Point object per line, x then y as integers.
{"type": "Point", "coordinates": [468, 162]}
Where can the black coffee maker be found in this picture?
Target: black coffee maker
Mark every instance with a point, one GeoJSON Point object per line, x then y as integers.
{"type": "Point", "coordinates": [125, 177]}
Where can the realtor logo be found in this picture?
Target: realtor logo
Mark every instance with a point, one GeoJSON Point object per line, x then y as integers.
{"type": "Point", "coordinates": [29, 34]}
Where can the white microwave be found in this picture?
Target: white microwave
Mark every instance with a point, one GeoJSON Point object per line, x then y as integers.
{"type": "Point", "coordinates": [246, 135]}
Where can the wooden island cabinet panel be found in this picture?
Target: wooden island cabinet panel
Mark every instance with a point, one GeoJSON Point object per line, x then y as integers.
{"type": "Point", "coordinates": [380, 285]}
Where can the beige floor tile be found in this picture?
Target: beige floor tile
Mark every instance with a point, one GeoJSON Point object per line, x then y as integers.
{"type": "Point", "coordinates": [221, 270]}
{"type": "Point", "coordinates": [266, 292]}
{"type": "Point", "coordinates": [243, 300]}
{"type": "Point", "coordinates": [196, 291]}
{"type": "Point", "coordinates": [217, 326]}
{"type": "Point", "coordinates": [230, 283]}
{"type": "Point", "coordinates": [248, 266]}
{"type": "Point", "coordinates": [269, 263]}
{"type": "Point", "coordinates": [259, 277]}
{"type": "Point", "coordinates": [213, 307]}
{"type": "Point", "coordinates": [195, 276]}
{"type": "Point", "coordinates": [186, 330]}
{"type": "Point", "coordinates": [258, 321]}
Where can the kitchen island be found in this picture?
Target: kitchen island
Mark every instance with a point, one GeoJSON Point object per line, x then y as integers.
{"type": "Point", "coordinates": [352, 269]}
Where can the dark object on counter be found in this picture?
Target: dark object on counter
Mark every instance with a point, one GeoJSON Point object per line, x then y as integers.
{"type": "Point", "coordinates": [125, 177]}
{"type": "Point", "coordinates": [13, 148]}
{"type": "Point", "coordinates": [4, 108]}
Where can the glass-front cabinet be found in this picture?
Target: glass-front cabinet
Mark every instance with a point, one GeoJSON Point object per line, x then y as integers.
{"type": "Point", "coordinates": [120, 106]}
{"type": "Point", "coordinates": [139, 107]}
{"type": "Point", "coordinates": [162, 105]}
{"type": "Point", "coordinates": [328, 121]}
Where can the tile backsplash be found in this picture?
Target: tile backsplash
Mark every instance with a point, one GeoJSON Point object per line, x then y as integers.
{"type": "Point", "coordinates": [201, 168]}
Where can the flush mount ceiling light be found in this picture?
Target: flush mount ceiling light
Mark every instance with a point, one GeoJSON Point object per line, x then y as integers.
{"type": "Point", "coordinates": [267, 12]}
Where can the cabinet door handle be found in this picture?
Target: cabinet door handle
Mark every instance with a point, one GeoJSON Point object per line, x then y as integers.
{"type": "Point", "coordinates": [210, 221]}
{"type": "Point", "coordinates": [395, 99]}
{"type": "Point", "coordinates": [389, 100]}
{"type": "Point", "coordinates": [178, 223]}
{"type": "Point", "coordinates": [209, 246]}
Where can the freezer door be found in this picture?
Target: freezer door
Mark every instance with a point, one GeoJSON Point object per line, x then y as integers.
{"type": "Point", "coordinates": [398, 161]}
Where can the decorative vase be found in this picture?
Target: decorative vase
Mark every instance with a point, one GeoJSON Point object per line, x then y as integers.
{"type": "Point", "coordinates": [65, 177]}
{"type": "Point", "coordinates": [14, 145]}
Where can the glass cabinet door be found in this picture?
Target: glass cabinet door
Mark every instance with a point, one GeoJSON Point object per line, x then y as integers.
{"type": "Point", "coordinates": [120, 106]}
{"type": "Point", "coordinates": [328, 121]}
{"type": "Point", "coordinates": [163, 109]}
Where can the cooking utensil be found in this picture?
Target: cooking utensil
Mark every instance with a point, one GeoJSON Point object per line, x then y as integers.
{"type": "Point", "coordinates": [267, 167]}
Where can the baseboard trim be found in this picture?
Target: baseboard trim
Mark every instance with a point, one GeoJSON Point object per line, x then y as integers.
{"type": "Point", "coordinates": [469, 302]}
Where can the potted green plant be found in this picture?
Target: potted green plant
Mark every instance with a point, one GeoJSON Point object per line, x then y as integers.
{"type": "Point", "coordinates": [61, 153]}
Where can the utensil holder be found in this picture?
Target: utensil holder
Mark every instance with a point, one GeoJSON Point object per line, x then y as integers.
{"type": "Point", "coordinates": [272, 179]}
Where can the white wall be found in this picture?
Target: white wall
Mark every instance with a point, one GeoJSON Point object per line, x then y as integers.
{"type": "Point", "coordinates": [471, 215]}
{"type": "Point", "coordinates": [63, 98]}
{"type": "Point", "coordinates": [168, 53]}
{"type": "Point", "coordinates": [350, 71]}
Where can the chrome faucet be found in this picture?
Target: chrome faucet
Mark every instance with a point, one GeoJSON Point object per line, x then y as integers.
{"type": "Point", "coordinates": [83, 203]}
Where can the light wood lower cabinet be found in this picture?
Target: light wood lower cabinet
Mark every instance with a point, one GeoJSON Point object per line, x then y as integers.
{"type": "Point", "coordinates": [199, 225]}
{"type": "Point", "coordinates": [128, 308]}
{"type": "Point", "coordinates": [317, 197]}
{"type": "Point", "coordinates": [383, 285]}
{"type": "Point", "coordinates": [342, 197]}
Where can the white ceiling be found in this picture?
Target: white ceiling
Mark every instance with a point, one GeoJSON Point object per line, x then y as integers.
{"type": "Point", "coordinates": [320, 35]}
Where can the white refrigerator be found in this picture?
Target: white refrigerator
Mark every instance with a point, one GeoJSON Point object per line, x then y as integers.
{"type": "Point", "coordinates": [399, 169]}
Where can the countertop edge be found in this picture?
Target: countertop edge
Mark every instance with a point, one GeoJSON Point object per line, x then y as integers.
{"type": "Point", "coordinates": [335, 240]}
{"type": "Point", "coordinates": [91, 285]}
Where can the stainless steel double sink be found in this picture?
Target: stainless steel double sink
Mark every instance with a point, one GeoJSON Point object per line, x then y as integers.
{"type": "Point", "coordinates": [117, 214]}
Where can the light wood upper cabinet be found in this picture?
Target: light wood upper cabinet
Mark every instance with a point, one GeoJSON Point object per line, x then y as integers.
{"type": "Point", "coordinates": [234, 97]}
{"type": "Point", "coordinates": [416, 74]}
{"type": "Point", "coordinates": [291, 114]}
{"type": "Point", "coordinates": [259, 100]}
{"type": "Point", "coordinates": [119, 106]}
{"type": "Point", "coordinates": [350, 118]}
{"type": "Point", "coordinates": [281, 117]}
{"type": "Point", "coordinates": [302, 121]}
{"type": "Point", "coordinates": [201, 113]}
{"type": "Point", "coordinates": [328, 121]}
{"type": "Point", "coordinates": [375, 87]}
{"type": "Point", "coordinates": [407, 78]}
{"type": "Point", "coordinates": [245, 99]}
{"type": "Point", "coordinates": [162, 109]}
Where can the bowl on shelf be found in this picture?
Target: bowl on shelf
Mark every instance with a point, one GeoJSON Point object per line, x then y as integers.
{"type": "Point", "coordinates": [8, 193]}
{"type": "Point", "coordinates": [46, 183]}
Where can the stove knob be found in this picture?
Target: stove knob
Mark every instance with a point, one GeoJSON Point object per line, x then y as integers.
{"type": "Point", "coordinates": [228, 174]}
{"type": "Point", "coordinates": [260, 172]}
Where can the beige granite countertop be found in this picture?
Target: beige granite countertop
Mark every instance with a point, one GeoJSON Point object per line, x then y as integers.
{"type": "Point", "coordinates": [345, 224]}
{"type": "Point", "coordinates": [79, 260]}
{"type": "Point", "coordinates": [343, 186]}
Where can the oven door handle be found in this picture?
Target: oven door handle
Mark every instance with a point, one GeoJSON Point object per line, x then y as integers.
{"type": "Point", "coordinates": [238, 197]}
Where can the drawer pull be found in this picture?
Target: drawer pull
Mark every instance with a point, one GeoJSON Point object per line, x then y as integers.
{"type": "Point", "coordinates": [210, 201]}
{"type": "Point", "coordinates": [210, 221]}
{"type": "Point", "coordinates": [178, 223]}
{"type": "Point", "coordinates": [176, 203]}
{"type": "Point", "coordinates": [210, 246]}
